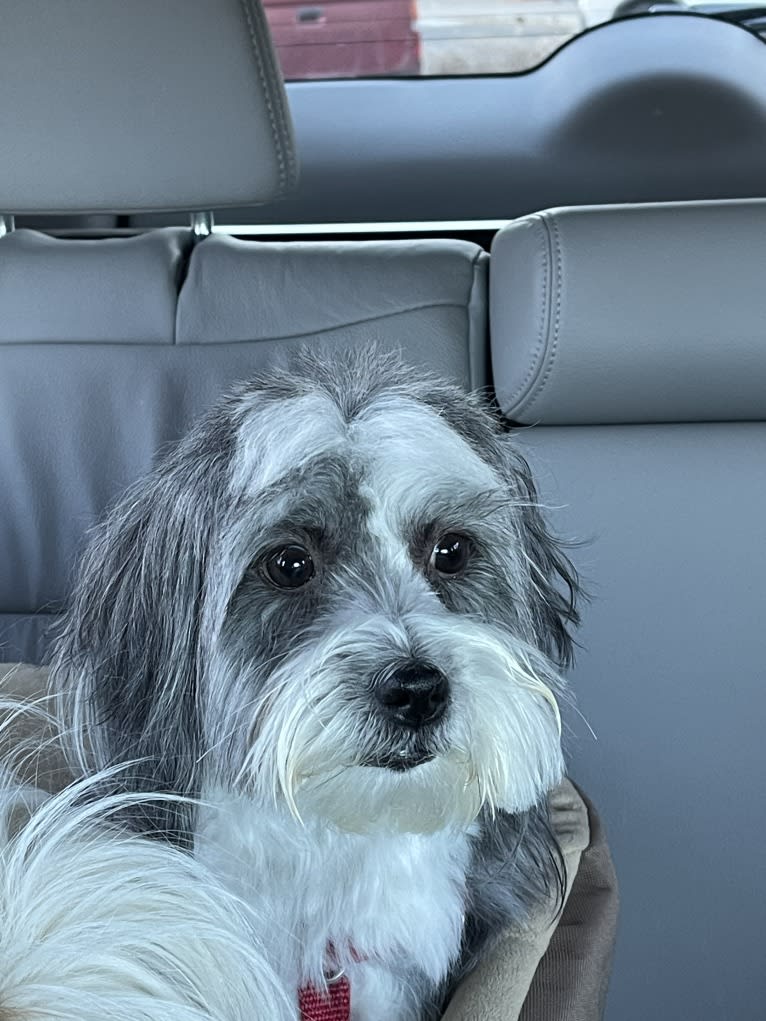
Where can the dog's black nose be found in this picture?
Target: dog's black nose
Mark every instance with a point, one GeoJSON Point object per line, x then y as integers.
{"type": "Point", "coordinates": [415, 694]}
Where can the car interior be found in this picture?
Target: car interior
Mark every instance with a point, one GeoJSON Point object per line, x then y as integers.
{"type": "Point", "coordinates": [583, 241]}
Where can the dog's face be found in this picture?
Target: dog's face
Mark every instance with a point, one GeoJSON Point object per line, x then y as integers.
{"type": "Point", "coordinates": [354, 603]}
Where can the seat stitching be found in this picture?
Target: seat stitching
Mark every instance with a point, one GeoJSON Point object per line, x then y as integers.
{"type": "Point", "coordinates": [553, 347]}
{"type": "Point", "coordinates": [329, 329]}
{"type": "Point", "coordinates": [276, 133]}
{"type": "Point", "coordinates": [537, 360]}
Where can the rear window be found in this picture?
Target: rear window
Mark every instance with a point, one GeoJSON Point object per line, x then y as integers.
{"type": "Point", "coordinates": [398, 38]}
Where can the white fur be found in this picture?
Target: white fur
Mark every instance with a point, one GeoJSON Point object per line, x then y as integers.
{"type": "Point", "coordinates": [391, 899]}
{"type": "Point", "coordinates": [284, 436]}
{"type": "Point", "coordinates": [410, 454]}
{"type": "Point", "coordinates": [501, 746]}
{"type": "Point", "coordinates": [336, 852]}
{"type": "Point", "coordinates": [96, 925]}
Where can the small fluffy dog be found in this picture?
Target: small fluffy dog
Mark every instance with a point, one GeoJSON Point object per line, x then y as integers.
{"type": "Point", "coordinates": [334, 616]}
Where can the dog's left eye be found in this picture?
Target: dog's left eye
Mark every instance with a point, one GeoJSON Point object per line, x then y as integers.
{"type": "Point", "coordinates": [450, 554]}
{"type": "Point", "coordinates": [290, 567]}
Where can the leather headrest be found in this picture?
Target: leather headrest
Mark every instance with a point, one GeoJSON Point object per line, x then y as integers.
{"type": "Point", "coordinates": [108, 106]}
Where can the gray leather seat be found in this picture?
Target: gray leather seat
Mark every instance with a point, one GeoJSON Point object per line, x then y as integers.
{"type": "Point", "coordinates": [105, 358]}
{"type": "Point", "coordinates": [110, 348]}
{"type": "Point", "coordinates": [633, 339]}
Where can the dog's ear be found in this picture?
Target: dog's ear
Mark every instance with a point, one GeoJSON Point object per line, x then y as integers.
{"type": "Point", "coordinates": [129, 655]}
{"type": "Point", "coordinates": [554, 584]}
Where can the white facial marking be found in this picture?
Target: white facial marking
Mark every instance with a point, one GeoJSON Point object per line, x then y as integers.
{"type": "Point", "coordinates": [284, 436]}
{"type": "Point", "coordinates": [409, 453]}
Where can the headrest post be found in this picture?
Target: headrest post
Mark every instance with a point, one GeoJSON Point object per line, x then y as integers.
{"type": "Point", "coordinates": [7, 224]}
{"type": "Point", "coordinates": [201, 225]}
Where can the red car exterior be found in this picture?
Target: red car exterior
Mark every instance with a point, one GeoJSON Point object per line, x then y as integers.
{"type": "Point", "coordinates": [344, 38]}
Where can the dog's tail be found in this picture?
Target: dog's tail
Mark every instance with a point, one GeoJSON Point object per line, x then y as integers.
{"type": "Point", "coordinates": [99, 924]}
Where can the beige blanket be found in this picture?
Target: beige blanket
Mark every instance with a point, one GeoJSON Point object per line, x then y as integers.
{"type": "Point", "coordinates": [539, 973]}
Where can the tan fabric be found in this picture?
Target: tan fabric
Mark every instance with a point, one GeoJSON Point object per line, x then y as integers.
{"type": "Point", "coordinates": [543, 972]}
{"type": "Point", "coordinates": [572, 979]}
{"type": "Point", "coordinates": [497, 989]}
{"type": "Point", "coordinates": [28, 740]}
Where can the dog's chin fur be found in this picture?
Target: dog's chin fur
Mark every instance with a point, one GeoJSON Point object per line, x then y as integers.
{"type": "Point", "coordinates": [499, 751]}
{"type": "Point", "coordinates": [443, 793]}
{"type": "Point", "coordinates": [430, 797]}
{"type": "Point", "coordinates": [181, 653]}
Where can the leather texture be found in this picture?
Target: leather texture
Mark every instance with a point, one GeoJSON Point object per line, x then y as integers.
{"type": "Point", "coordinates": [128, 107]}
{"type": "Point", "coordinates": [670, 676]}
{"type": "Point", "coordinates": [109, 291]}
{"type": "Point", "coordinates": [631, 314]}
{"type": "Point", "coordinates": [109, 350]}
{"type": "Point", "coordinates": [433, 304]}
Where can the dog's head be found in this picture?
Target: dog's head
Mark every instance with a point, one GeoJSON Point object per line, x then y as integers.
{"type": "Point", "coordinates": [337, 592]}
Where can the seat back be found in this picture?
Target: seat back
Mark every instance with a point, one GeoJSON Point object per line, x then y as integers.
{"type": "Point", "coordinates": [632, 341]}
{"type": "Point", "coordinates": [110, 349]}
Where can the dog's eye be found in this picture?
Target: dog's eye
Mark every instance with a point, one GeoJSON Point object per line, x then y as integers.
{"type": "Point", "coordinates": [450, 554]}
{"type": "Point", "coordinates": [290, 567]}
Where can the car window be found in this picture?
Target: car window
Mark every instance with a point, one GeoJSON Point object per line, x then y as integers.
{"type": "Point", "coordinates": [396, 38]}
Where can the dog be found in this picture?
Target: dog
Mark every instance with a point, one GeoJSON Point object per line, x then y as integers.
{"type": "Point", "coordinates": [332, 623]}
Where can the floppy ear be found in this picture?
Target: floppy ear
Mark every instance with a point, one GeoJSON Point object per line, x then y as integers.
{"type": "Point", "coordinates": [554, 583]}
{"type": "Point", "coordinates": [129, 657]}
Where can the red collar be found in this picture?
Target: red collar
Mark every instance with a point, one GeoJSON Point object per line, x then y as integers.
{"type": "Point", "coordinates": [335, 1005]}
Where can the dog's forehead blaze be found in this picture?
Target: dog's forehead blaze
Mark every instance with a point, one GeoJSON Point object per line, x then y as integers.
{"type": "Point", "coordinates": [407, 448]}
{"type": "Point", "coordinates": [283, 436]}
{"type": "Point", "coordinates": [401, 450]}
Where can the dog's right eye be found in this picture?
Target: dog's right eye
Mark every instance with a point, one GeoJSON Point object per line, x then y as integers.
{"type": "Point", "coordinates": [289, 567]}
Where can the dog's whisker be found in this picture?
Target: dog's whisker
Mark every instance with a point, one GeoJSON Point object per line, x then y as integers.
{"type": "Point", "coordinates": [585, 721]}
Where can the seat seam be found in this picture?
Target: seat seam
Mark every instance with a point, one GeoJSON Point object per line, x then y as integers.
{"type": "Point", "coordinates": [182, 273]}
{"type": "Point", "coordinates": [243, 340]}
{"type": "Point", "coordinates": [277, 132]}
{"type": "Point", "coordinates": [325, 329]}
{"type": "Point", "coordinates": [475, 262]}
{"type": "Point", "coordinates": [552, 339]}
{"type": "Point", "coordinates": [538, 354]}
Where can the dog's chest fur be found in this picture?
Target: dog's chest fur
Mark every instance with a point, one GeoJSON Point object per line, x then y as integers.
{"type": "Point", "coordinates": [384, 902]}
